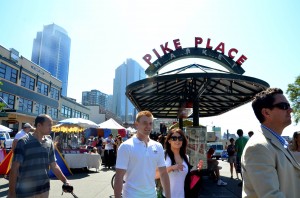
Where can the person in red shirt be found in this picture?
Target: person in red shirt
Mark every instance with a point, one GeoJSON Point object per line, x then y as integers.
{"type": "Point", "coordinates": [212, 164]}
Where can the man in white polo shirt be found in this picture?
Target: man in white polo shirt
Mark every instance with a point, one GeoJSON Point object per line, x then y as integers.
{"type": "Point", "coordinates": [137, 160]}
{"type": "Point", "coordinates": [25, 130]}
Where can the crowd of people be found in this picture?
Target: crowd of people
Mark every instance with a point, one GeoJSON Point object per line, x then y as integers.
{"type": "Point", "coordinates": [268, 164]}
{"type": "Point", "coordinates": [166, 158]}
{"type": "Point", "coordinates": [106, 147]}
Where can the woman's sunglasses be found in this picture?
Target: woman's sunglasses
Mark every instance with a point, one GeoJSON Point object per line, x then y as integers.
{"type": "Point", "coordinates": [174, 138]}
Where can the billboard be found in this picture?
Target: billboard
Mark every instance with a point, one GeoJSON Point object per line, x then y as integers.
{"type": "Point", "coordinates": [196, 148]}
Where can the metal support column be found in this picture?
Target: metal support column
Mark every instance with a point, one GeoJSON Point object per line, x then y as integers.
{"type": "Point", "coordinates": [181, 123]}
{"type": "Point", "coordinates": [195, 113]}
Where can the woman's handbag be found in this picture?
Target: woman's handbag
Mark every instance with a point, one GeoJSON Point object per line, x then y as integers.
{"type": "Point", "coordinates": [192, 181]}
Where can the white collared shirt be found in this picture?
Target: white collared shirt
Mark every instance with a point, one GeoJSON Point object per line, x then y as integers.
{"type": "Point", "coordinates": [140, 162]}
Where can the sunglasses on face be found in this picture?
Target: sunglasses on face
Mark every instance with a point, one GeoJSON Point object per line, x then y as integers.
{"type": "Point", "coordinates": [282, 105]}
{"type": "Point", "coordinates": [174, 138]}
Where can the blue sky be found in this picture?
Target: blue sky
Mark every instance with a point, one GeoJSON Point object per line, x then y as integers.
{"type": "Point", "coordinates": [105, 33]}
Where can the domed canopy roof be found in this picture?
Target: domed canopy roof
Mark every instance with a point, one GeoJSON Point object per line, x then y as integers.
{"type": "Point", "coordinates": [215, 93]}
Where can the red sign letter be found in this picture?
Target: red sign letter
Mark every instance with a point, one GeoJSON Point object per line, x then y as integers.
{"type": "Point", "coordinates": [177, 44]}
{"type": "Point", "coordinates": [230, 53]}
{"type": "Point", "coordinates": [198, 41]}
{"type": "Point", "coordinates": [147, 58]}
{"type": "Point", "coordinates": [241, 60]}
{"type": "Point", "coordinates": [165, 48]}
{"type": "Point", "coordinates": [208, 44]}
{"type": "Point", "coordinates": [156, 53]}
{"type": "Point", "coordinates": [220, 47]}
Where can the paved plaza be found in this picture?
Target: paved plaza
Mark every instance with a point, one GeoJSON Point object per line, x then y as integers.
{"type": "Point", "coordinates": [98, 184]}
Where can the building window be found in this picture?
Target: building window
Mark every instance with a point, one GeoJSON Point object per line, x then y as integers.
{"type": "Point", "coordinates": [42, 88]}
{"type": "Point", "coordinates": [66, 111]}
{"type": "Point", "coordinates": [40, 109]}
{"type": "Point", "coordinates": [25, 105]}
{"type": "Point", "coordinates": [8, 73]}
{"type": "Point", "coordinates": [27, 81]}
{"type": "Point", "coordinates": [85, 116]}
{"type": "Point", "coordinates": [53, 113]}
{"type": "Point", "coordinates": [54, 93]}
{"type": "Point", "coordinates": [8, 99]}
{"type": "Point", "coordinates": [76, 114]}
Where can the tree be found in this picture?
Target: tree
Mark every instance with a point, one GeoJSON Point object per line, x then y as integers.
{"type": "Point", "coordinates": [293, 92]}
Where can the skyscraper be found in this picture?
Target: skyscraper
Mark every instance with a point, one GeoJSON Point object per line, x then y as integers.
{"type": "Point", "coordinates": [51, 50]}
{"type": "Point", "coordinates": [127, 73]}
{"type": "Point", "coordinates": [95, 97]}
{"type": "Point", "coordinates": [110, 103]}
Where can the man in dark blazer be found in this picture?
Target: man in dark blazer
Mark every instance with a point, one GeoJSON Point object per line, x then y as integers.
{"type": "Point", "coordinates": [269, 168]}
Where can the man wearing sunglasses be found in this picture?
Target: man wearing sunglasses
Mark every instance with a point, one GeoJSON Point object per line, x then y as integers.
{"type": "Point", "coordinates": [269, 168]}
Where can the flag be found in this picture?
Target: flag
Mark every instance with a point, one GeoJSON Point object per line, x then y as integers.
{"type": "Point", "coordinates": [64, 167]}
{"type": "Point", "coordinates": [6, 164]}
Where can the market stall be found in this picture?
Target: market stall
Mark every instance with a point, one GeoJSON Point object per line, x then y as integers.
{"type": "Point", "coordinates": [83, 160]}
{"type": "Point", "coordinates": [68, 135]}
{"type": "Point", "coordinates": [111, 127]}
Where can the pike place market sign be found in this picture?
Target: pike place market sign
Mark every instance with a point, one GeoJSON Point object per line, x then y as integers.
{"type": "Point", "coordinates": [230, 59]}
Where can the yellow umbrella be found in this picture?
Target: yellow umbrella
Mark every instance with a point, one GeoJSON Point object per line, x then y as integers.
{"type": "Point", "coordinates": [73, 125]}
{"type": "Point", "coordinates": [67, 128]}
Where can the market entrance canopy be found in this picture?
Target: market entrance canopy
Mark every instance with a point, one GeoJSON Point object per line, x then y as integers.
{"type": "Point", "coordinates": [180, 93]}
{"type": "Point", "coordinates": [214, 93]}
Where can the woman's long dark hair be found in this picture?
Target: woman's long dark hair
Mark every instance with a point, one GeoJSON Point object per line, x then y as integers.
{"type": "Point", "coordinates": [294, 146]}
{"type": "Point", "coordinates": [182, 150]}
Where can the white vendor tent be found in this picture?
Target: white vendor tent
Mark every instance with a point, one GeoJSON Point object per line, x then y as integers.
{"type": "Point", "coordinates": [131, 130]}
{"type": "Point", "coordinates": [111, 127]}
{"type": "Point", "coordinates": [110, 124]}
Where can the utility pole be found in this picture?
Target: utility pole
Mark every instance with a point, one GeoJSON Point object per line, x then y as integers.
{"type": "Point", "coordinates": [227, 134]}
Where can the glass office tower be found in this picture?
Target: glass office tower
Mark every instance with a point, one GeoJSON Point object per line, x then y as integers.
{"type": "Point", "coordinates": [125, 74]}
{"type": "Point", "coordinates": [95, 97]}
{"type": "Point", "coordinates": [51, 50]}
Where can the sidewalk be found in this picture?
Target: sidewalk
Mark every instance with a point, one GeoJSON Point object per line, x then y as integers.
{"type": "Point", "coordinates": [211, 189]}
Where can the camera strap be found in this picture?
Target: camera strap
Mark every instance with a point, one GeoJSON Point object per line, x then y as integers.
{"type": "Point", "coordinates": [71, 194]}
